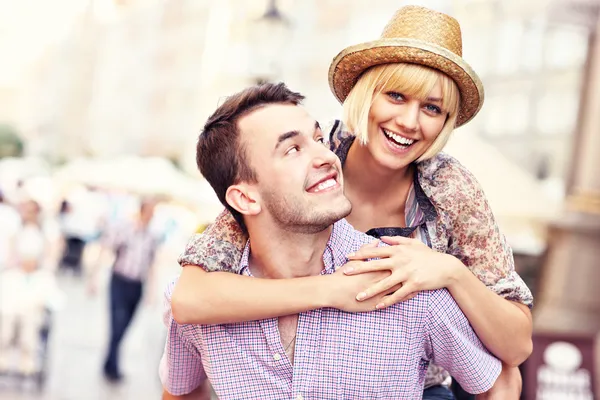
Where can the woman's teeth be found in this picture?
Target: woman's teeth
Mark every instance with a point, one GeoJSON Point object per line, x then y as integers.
{"type": "Point", "coordinates": [325, 185]}
{"type": "Point", "coordinates": [398, 139]}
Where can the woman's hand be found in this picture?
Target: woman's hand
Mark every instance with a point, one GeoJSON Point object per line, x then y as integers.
{"type": "Point", "coordinates": [508, 386]}
{"type": "Point", "coordinates": [342, 290]}
{"type": "Point", "coordinates": [414, 267]}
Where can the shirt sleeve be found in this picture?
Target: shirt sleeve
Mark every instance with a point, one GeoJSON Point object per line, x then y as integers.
{"type": "Point", "coordinates": [218, 248]}
{"type": "Point", "coordinates": [474, 235]}
{"type": "Point", "coordinates": [180, 369]}
{"type": "Point", "coordinates": [452, 344]}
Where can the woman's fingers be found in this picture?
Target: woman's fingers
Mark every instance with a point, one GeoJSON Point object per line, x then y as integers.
{"type": "Point", "coordinates": [371, 252]}
{"type": "Point", "coordinates": [360, 267]}
{"type": "Point", "coordinates": [395, 298]}
{"type": "Point", "coordinates": [395, 240]}
{"type": "Point", "coordinates": [382, 286]}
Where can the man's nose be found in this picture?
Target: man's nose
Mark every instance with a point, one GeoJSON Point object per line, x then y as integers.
{"type": "Point", "coordinates": [323, 156]}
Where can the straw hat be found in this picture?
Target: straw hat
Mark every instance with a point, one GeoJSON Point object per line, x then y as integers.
{"type": "Point", "coordinates": [414, 35]}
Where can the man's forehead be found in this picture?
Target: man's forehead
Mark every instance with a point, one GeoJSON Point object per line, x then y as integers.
{"type": "Point", "coordinates": [274, 119]}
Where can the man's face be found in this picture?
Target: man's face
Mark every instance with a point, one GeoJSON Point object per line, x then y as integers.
{"type": "Point", "coordinates": [299, 180]}
{"type": "Point", "coordinates": [147, 212]}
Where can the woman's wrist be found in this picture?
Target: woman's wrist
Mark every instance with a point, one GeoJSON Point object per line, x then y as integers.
{"type": "Point", "coordinates": [456, 270]}
{"type": "Point", "coordinates": [324, 295]}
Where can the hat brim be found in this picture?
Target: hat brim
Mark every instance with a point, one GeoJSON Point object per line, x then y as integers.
{"type": "Point", "coordinates": [350, 63]}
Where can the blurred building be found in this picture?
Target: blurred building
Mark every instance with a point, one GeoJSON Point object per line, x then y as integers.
{"type": "Point", "coordinates": [141, 76]}
{"type": "Point", "coordinates": [531, 61]}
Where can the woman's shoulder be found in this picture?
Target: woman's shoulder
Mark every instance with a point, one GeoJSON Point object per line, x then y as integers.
{"type": "Point", "coordinates": [443, 176]}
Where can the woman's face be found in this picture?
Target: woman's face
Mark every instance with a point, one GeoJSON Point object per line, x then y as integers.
{"type": "Point", "coordinates": [402, 128]}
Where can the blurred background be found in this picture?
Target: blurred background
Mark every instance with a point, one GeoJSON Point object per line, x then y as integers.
{"type": "Point", "coordinates": [101, 102]}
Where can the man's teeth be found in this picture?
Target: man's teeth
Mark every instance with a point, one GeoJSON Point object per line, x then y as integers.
{"type": "Point", "coordinates": [398, 139]}
{"type": "Point", "coordinates": [325, 185]}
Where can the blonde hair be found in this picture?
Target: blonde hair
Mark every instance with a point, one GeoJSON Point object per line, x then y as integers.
{"type": "Point", "coordinates": [412, 80]}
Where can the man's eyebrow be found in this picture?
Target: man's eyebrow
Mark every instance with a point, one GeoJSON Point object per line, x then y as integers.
{"type": "Point", "coordinates": [285, 136]}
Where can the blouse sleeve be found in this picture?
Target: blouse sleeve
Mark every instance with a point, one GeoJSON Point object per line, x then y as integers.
{"type": "Point", "coordinates": [473, 234]}
{"type": "Point", "coordinates": [218, 248]}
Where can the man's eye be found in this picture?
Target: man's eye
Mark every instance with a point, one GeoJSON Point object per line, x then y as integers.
{"type": "Point", "coordinates": [291, 150]}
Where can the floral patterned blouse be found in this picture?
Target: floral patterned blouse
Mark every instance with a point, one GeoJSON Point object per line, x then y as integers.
{"type": "Point", "coordinates": [446, 209]}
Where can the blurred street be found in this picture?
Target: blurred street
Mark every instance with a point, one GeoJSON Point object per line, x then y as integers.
{"type": "Point", "coordinates": [78, 343]}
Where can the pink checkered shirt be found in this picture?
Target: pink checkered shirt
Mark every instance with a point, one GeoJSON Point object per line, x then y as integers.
{"type": "Point", "coordinates": [376, 355]}
{"type": "Point", "coordinates": [135, 250]}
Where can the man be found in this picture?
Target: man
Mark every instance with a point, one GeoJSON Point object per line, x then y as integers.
{"type": "Point", "coordinates": [269, 164]}
{"type": "Point", "coordinates": [134, 247]}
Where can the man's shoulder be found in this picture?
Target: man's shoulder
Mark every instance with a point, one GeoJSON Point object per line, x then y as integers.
{"type": "Point", "coordinates": [442, 304]}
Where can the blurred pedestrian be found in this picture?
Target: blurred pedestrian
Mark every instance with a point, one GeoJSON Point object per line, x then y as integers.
{"type": "Point", "coordinates": [27, 291]}
{"type": "Point", "coordinates": [10, 222]}
{"type": "Point", "coordinates": [133, 245]}
{"type": "Point", "coordinates": [74, 244]}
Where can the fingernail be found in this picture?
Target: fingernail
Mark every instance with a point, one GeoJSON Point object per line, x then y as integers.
{"type": "Point", "coordinates": [361, 296]}
{"type": "Point", "coordinates": [347, 270]}
{"type": "Point", "coordinates": [380, 306]}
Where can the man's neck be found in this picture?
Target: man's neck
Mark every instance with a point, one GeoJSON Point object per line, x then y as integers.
{"type": "Point", "coordinates": [280, 254]}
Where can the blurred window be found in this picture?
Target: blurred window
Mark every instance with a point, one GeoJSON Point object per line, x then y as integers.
{"type": "Point", "coordinates": [508, 46]}
{"type": "Point", "coordinates": [566, 46]}
{"type": "Point", "coordinates": [532, 49]}
{"type": "Point", "coordinates": [477, 50]}
{"type": "Point", "coordinates": [556, 112]}
{"type": "Point", "coordinates": [507, 115]}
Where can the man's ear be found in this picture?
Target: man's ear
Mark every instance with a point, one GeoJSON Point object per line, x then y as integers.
{"type": "Point", "coordinates": [244, 199]}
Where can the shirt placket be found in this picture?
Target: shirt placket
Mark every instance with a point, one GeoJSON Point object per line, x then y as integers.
{"type": "Point", "coordinates": [278, 359]}
{"type": "Point", "coordinates": [308, 339]}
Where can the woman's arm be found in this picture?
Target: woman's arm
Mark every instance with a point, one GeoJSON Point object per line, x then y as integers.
{"type": "Point", "coordinates": [482, 289]}
{"type": "Point", "coordinates": [504, 326]}
{"type": "Point", "coordinates": [202, 297]}
{"type": "Point", "coordinates": [221, 297]}
{"type": "Point", "coordinates": [508, 386]}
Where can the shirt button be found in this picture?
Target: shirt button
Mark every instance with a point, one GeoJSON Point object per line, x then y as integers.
{"type": "Point", "coordinates": [276, 356]}
{"type": "Point", "coordinates": [299, 397]}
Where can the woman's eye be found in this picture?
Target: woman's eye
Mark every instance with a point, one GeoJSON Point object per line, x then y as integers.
{"type": "Point", "coordinates": [396, 96]}
{"type": "Point", "coordinates": [433, 108]}
{"type": "Point", "coordinates": [321, 140]}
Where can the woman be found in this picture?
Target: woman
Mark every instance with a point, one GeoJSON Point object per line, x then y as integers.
{"type": "Point", "coordinates": [403, 95]}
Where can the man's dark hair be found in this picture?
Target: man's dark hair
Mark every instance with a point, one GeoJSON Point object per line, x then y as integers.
{"type": "Point", "coordinates": [220, 156]}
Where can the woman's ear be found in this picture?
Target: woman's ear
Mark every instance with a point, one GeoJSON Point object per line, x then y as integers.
{"type": "Point", "coordinates": [244, 199]}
